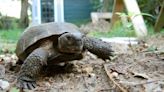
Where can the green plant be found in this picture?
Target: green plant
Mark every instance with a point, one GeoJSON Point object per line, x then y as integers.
{"type": "Point", "coordinates": [128, 24]}
{"type": "Point", "coordinates": [97, 5]}
{"type": "Point", "coordinates": [14, 89]}
{"type": "Point", "coordinates": [102, 5]}
{"type": "Point", "coordinates": [117, 31]}
{"type": "Point", "coordinates": [7, 22]}
{"type": "Point", "coordinates": [150, 7]}
{"type": "Point", "coordinates": [10, 35]}
{"type": "Point", "coordinates": [8, 39]}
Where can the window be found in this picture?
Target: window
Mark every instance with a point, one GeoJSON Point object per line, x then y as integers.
{"type": "Point", "coordinates": [47, 11]}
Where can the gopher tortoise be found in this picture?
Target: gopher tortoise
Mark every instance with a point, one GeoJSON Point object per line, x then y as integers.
{"type": "Point", "coordinates": [50, 43]}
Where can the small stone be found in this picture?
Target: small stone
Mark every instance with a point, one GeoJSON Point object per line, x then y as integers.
{"type": "Point", "coordinates": [7, 59]}
{"type": "Point", "coordinates": [2, 71]}
{"type": "Point", "coordinates": [47, 84]}
{"type": "Point", "coordinates": [5, 50]}
{"type": "Point", "coordinates": [87, 70]}
{"type": "Point", "coordinates": [78, 70]}
{"type": "Point", "coordinates": [92, 75]}
{"type": "Point", "coordinates": [145, 45]}
{"type": "Point", "coordinates": [92, 56]}
{"type": "Point", "coordinates": [78, 76]}
{"type": "Point", "coordinates": [1, 60]}
{"type": "Point", "coordinates": [14, 57]}
{"type": "Point", "coordinates": [71, 74]}
{"type": "Point", "coordinates": [2, 56]}
{"type": "Point", "coordinates": [4, 84]}
{"type": "Point", "coordinates": [114, 74]}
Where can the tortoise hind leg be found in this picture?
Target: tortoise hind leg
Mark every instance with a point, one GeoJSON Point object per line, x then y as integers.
{"type": "Point", "coordinates": [98, 47]}
{"type": "Point", "coordinates": [31, 68]}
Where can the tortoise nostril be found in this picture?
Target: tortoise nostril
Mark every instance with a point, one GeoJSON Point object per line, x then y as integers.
{"type": "Point", "coordinates": [69, 42]}
{"type": "Point", "coordinates": [68, 37]}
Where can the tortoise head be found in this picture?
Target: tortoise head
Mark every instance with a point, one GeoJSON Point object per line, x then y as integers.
{"type": "Point", "coordinates": [70, 43]}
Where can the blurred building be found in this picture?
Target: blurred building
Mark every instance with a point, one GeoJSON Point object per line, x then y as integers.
{"type": "Point", "coordinates": [60, 10]}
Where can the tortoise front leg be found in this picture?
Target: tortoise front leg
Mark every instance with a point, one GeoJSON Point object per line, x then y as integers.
{"type": "Point", "coordinates": [31, 68]}
{"type": "Point", "coordinates": [98, 47]}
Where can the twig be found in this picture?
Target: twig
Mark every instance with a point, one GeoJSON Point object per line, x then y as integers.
{"type": "Point", "coordinates": [137, 84]}
{"type": "Point", "coordinates": [112, 88]}
{"type": "Point", "coordinates": [114, 82]}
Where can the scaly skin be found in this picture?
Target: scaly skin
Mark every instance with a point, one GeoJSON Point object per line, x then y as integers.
{"type": "Point", "coordinates": [31, 68]}
{"type": "Point", "coordinates": [98, 47]}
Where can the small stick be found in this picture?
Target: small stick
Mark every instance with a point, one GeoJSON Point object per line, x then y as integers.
{"type": "Point", "coordinates": [137, 84]}
{"type": "Point", "coordinates": [112, 88]}
{"type": "Point", "coordinates": [115, 83]}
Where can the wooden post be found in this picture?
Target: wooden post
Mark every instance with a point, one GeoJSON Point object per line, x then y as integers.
{"type": "Point", "coordinates": [160, 20]}
{"type": "Point", "coordinates": [118, 7]}
{"type": "Point", "coordinates": [131, 7]}
{"type": "Point", "coordinates": [138, 21]}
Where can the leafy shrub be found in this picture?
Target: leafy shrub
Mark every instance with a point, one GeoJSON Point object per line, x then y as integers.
{"type": "Point", "coordinates": [7, 22]}
{"type": "Point", "coordinates": [150, 7]}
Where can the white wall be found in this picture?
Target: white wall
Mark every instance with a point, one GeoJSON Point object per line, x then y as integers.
{"type": "Point", "coordinates": [36, 12]}
{"type": "Point", "coordinates": [59, 10]}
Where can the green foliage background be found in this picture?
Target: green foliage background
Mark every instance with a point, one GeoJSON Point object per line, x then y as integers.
{"type": "Point", "coordinates": [150, 7]}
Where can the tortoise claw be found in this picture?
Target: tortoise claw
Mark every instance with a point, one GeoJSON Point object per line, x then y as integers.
{"type": "Point", "coordinates": [24, 84]}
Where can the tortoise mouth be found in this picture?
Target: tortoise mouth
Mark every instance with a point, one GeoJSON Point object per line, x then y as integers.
{"type": "Point", "coordinates": [71, 49]}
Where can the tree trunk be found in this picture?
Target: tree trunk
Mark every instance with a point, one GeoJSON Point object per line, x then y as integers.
{"type": "Point", "coordinates": [159, 22]}
{"type": "Point", "coordinates": [24, 21]}
{"type": "Point", "coordinates": [106, 5]}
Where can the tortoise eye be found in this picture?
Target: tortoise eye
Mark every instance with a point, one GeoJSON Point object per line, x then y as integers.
{"type": "Point", "coordinates": [69, 43]}
{"type": "Point", "coordinates": [69, 37]}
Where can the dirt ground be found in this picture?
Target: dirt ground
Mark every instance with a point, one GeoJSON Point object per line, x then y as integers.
{"type": "Point", "coordinates": [136, 68]}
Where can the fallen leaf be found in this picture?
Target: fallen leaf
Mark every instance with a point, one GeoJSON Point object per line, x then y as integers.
{"type": "Point", "coordinates": [140, 75]}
